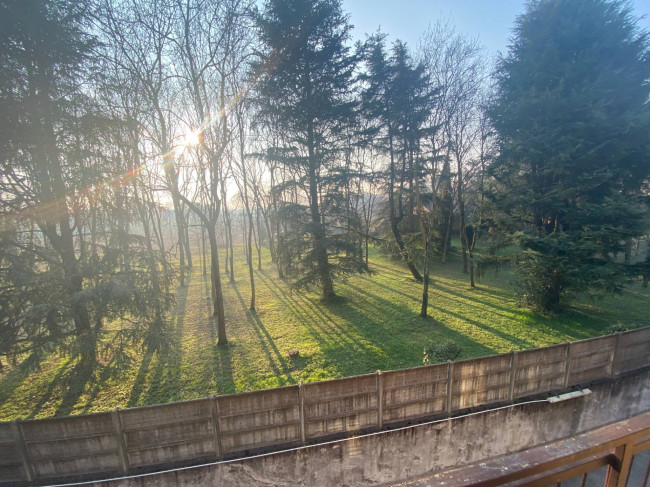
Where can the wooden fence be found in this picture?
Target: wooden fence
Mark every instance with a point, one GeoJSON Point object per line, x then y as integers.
{"type": "Point", "coordinates": [138, 439]}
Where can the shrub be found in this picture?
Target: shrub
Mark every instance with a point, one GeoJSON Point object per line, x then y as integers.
{"type": "Point", "coordinates": [442, 352]}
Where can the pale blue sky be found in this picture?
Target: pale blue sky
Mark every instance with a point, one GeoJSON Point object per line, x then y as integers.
{"type": "Point", "coordinates": [489, 20]}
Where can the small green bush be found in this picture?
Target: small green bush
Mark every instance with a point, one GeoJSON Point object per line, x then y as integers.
{"type": "Point", "coordinates": [621, 327]}
{"type": "Point", "coordinates": [442, 352]}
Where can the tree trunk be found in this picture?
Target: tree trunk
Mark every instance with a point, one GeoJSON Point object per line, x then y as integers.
{"type": "Point", "coordinates": [318, 231]}
{"type": "Point", "coordinates": [227, 220]}
{"type": "Point", "coordinates": [395, 219]}
{"type": "Point", "coordinates": [425, 285]}
{"type": "Point", "coordinates": [203, 250]}
{"type": "Point", "coordinates": [217, 296]}
{"type": "Point", "coordinates": [251, 274]}
{"type": "Point", "coordinates": [445, 247]}
{"type": "Point", "coordinates": [188, 251]}
{"type": "Point", "coordinates": [181, 237]}
{"type": "Point", "coordinates": [471, 269]}
{"type": "Point", "coordinates": [259, 240]}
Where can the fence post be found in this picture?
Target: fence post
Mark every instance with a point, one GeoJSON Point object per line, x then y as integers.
{"type": "Point", "coordinates": [614, 355]}
{"type": "Point", "coordinates": [122, 452]}
{"type": "Point", "coordinates": [567, 366]}
{"type": "Point", "coordinates": [301, 411]}
{"type": "Point", "coordinates": [22, 450]}
{"type": "Point", "coordinates": [513, 369]}
{"type": "Point", "coordinates": [450, 377]}
{"type": "Point", "coordinates": [380, 400]}
{"type": "Point", "coordinates": [214, 413]}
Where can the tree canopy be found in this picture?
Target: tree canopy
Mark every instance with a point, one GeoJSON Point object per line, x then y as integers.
{"type": "Point", "coordinates": [572, 116]}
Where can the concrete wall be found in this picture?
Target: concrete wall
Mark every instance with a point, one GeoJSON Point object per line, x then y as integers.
{"type": "Point", "coordinates": [416, 451]}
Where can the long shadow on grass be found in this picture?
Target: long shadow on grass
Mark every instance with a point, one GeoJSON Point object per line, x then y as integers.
{"type": "Point", "coordinates": [266, 342]}
{"type": "Point", "coordinates": [75, 382]}
{"type": "Point", "coordinates": [13, 379]}
{"type": "Point", "coordinates": [446, 291]}
{"type": "Point", "coordinates": [385, 306]}
{"type": "Point", "coordinates": [552, 324]}
{"type": "Point", "coordinates": [223, 369]}
{"type": "Point", "coordinates": [374, 282]}
{"type": "Point", "coordinates": [375, 345]}
{"type": "Point", "coordinates": [306, 313]}
{"type": "Point", "coordinates": [64, 370]}
{"type": "Point", "coordinates": [307, 310]}
{"type": "Point", "coordinates": [164, 383]}
{"type": "Point", "coordinates": [119, 362]}
{"type": "Point", "coordinates": [400, 352]}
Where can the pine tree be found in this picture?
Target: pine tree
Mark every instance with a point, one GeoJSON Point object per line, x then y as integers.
{"type": "Point", "coordinates": [573, 119]}
{"type": "Point", "coordinates": [397, 102]}
{"type": "Point", "coordinates": [305, 80]}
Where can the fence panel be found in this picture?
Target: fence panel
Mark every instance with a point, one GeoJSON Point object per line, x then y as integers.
{"type": "Point", "coordinates": [76, 445]}
{"type": "Point", "coordinates": [480, 381]}
{"type": "Point", "coordinates": [591, 359]}
{"type": "Point", "coordinates": [168, 433]}
{"type": "Point", "coordinates": [11, 465]}
{"type": "Point", "coordinates": [341, 405]}
{"type": "Point", "coordinates": [259, 419]}
{"type": "Point", "coordinates": [412, 393]}
{"type": "Point", "coordinates": [539, 370]}
{"type": "Point", "coordinates": [633, 350]}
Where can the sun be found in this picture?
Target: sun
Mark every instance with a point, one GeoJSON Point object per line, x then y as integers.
{"type": "Point", "coordinates": [192, 138]}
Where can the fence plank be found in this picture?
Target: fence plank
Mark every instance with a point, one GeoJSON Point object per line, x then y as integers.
{"type": "Point", "coordinates": [77, 445]}
{"type": "Point", "coordinates": [19, 453]}
{"type": "Point", "coordinates": [340, 406]}
{"type": "Point", "coordinates": [214, 410]}
{"type": "Point", "coordinates": [480, 381]}
{"type": "Point", "coordinates": [121, 446]}
{"type": "Point", "coordinates": [540, 370]}
{"type": "Point", "coordinates": [168, 433]}
{"type": "Point", "coordinates": [380, 399]}
{"type": "Point", "coordinates": [591, 359]}
{"type": "Point", "coordinates": [633, 350]}
{"type": "Point", "coordinates": [417, 392]}
{"type": "Point", "coordinates": [259, 419]}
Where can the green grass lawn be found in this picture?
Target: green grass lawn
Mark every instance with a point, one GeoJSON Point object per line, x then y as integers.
{"type": "Point", "coordinates": [374, 325]}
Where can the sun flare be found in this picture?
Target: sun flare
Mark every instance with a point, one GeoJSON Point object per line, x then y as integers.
{"type": "Point", "coordinates": [191, 139]}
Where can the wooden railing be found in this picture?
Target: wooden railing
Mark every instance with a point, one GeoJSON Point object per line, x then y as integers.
{"type": "Point", "coordinates": [138, 439]}
{"type": "Point", "coordinates": [614, 446]}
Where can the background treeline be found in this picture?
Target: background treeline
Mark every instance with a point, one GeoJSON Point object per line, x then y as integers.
{"type": "Point", "coordinates": [138, 138]}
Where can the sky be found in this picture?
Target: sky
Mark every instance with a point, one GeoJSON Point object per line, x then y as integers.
{"type": "Point", "coordinates": [490, 21]}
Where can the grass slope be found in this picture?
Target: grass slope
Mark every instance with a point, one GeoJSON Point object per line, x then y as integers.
{"type": "Point", "coordinates": [373, 325]}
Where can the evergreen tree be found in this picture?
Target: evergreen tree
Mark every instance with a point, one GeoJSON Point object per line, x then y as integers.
{"type": "Point", "coordinates": [397, 101]}
{"type": "Point", "coordinates": [572, 117]}
{"type": "Point", "coordinates": [67, 261]}
{"type": "Point", "coordinates": [306, 75]}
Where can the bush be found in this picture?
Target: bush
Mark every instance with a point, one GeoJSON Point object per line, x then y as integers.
{"type": "Point", "coordinates": [621, 327]}
{"type": "Point", "coordinates": [442, 352]}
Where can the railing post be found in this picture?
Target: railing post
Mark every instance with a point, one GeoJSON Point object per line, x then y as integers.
{"type": "Point", "coordinates": [301, 411]}
{"type": "Point", "coordinates": [450, 378]}
{"type": "Point", "coordinates": [567, 367]}
{"type": "Point", "coordinates": [122, 452]}
{"type": "Point", "coordinates": [617, 475]}
{"type": "Point", "coordinates": [380, 400]}
{"type": "Point", "coordinates": [214, 412]}
{"type": "Point", "coordinates": [22, 450]}
{"type": "Point", "coordinates": [614, 355]}
{"type": "Point", "coordinates": [513, 369]}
